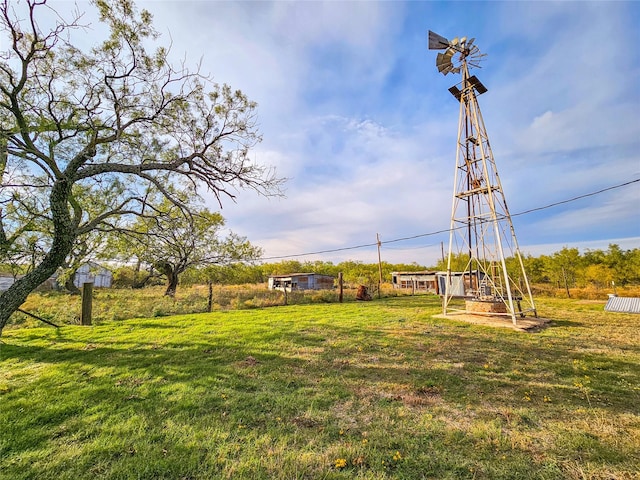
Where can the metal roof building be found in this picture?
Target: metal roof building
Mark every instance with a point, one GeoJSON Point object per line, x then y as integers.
{"type": "Point", "coordinates": [623, 304]}
{"type": "Point", "coordinates": [423, 280]}
{"type": "Point", "coordinates": [301, 281]}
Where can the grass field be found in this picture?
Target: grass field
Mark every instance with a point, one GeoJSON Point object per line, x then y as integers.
{"type": "Point", "coordinates": [357, 390]}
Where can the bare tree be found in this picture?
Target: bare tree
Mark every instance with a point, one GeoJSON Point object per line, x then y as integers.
{"type": "Point", "coordinates": [92, 131]}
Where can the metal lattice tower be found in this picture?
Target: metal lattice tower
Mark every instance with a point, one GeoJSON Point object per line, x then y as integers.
{"type": "Point", "coordinates": [493, 280]}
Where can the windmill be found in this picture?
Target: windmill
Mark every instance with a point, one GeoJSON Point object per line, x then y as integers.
{"type": "Point", "coordinates": [493, 280]}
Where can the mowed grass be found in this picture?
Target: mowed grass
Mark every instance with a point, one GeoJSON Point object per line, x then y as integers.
{"type": "Point", "coordinates": [357, 390]}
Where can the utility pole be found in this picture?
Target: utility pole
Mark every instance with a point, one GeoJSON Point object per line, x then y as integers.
{"type": "Point", "coordinates": [379, 264]}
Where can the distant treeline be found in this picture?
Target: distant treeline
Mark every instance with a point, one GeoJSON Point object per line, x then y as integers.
{"type": "Point", "coordinates": [567, 267]}
{"type": "Point", "coordinates": [592, 268]}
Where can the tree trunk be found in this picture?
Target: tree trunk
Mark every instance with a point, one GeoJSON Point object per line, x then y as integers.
{"type": "Point", "coordinates": [70, 286]}
{"type": "Point", "coordinates": [171, 273]}
{"type": "Point", "coordinates": [172, 284]}
{"type": "Point", "coordinates": [16, 294]}
{"type": "Point", "coordinates": [63, 237]}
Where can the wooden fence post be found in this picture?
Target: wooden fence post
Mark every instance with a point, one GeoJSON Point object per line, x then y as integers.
{"type": "Point", "coordinates": [341, 284]}
{"type": "Point", "coordinates": [87, 298]}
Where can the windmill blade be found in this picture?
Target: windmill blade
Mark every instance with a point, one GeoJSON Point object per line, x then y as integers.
{"type": "Point", "coordinates": [437, 42]}
{"type": "Point", "coordinates": [443, 62]}
{"type": "Point", "coordinates": [470, 42]}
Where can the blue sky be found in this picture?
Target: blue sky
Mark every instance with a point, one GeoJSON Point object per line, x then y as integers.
{"type": "Point", "coordinates": [354, 112]}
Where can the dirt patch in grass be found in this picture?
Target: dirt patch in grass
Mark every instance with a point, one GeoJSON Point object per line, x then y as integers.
{"type": "Point", "coordinates": [249, 362]}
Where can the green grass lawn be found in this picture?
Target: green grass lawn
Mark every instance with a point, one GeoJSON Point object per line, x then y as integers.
{"type": "Point", "coordinates": [357, 390]}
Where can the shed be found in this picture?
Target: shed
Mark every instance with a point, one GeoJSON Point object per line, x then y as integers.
{"type": "Point", "coordinates": [93, 273]}
{"type": "Point", "coordinates": [463, 284]}
{"type": "Point", "coordinates": [623, 304]}
{"type": "Point", "coordinates": [301, 281]}
{"type": "Point", "coordinates": [6, 280]}
{"type": "Point", "coordinates": [425, 281]}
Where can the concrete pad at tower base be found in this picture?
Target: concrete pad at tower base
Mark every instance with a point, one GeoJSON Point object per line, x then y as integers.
{"type": "Point", "coordinates": [526, 324]}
